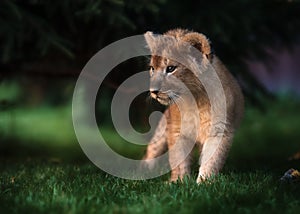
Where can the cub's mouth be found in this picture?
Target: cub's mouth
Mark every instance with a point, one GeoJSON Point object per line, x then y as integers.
{"type": "Point", "coordinates": [162, 97]}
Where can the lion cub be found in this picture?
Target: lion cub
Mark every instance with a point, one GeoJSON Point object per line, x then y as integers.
{"type": "Point", "coordinates": [195, 113]}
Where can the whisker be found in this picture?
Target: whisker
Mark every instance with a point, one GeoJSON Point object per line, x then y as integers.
{"type": "Point", "coordinates": [175, 98]}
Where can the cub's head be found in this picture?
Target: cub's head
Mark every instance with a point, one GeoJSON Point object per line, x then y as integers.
{"type": "Point", "coordinates": [169, 79]}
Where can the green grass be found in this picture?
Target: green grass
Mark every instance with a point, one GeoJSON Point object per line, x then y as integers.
{"type": "Point", "coordinates": [56, 179]}
{"type": "Point", "coordinates": [41, 186]}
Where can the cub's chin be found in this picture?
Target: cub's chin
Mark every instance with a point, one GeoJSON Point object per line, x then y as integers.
{"type": "Point", "coordinates": [162, 98]}
{"type": "Point", "coordinates": [164, 101]}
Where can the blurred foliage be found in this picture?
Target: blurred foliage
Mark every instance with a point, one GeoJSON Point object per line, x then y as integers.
{"type": "Point", "coordinates": [72, 31]}
{"type": "Point", "coordinates": [262, 138]}
{"type": "Point", "coordinates": [32, 28]}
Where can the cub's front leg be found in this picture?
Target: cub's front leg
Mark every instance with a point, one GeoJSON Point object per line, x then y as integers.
{"type": "Point", "coordinates": [158, 143]}
{"type": "Point", "coordinates": [182, 133]}
{"type": "Point", "coordinates": [213, 155]}
{"type": "Point", "coordinates": [180, 157]}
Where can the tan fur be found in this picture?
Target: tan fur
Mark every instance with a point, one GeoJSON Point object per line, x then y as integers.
{"type": "Point", "coordinates": [164, 87]}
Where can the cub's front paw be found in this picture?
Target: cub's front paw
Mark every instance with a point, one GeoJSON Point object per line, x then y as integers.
{"type": "Point", "coordinates": [148, 164]}
{"type": "Point", "coordinates": [200, 179]}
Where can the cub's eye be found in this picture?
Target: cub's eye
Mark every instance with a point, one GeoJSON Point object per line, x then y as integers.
{"type": "Point", "coordinates": [170, 69]}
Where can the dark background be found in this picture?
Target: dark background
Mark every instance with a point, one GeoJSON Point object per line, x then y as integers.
{"type": "Point", "coordinates": [45, 44]}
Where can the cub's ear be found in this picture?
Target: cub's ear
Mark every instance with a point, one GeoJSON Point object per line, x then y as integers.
{"type": "Point", "coordinates": [150, 39]}
{"type": "Point", "coordinates": [199, 41]}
